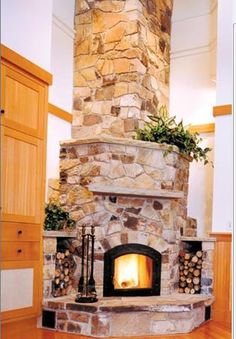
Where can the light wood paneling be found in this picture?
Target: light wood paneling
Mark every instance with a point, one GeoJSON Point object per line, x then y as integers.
{"type": "Point", "coordinates": [20, 232]}
{"type": "Point", "coordinates": [22, 177]}
{"type": "Point", "coordinates": [24, 99]}
{"type": "Point", "coordinates": [28, 66]}
{"type": "Point", "coordinates": [210, 330]}
{"type": "Point", "coordinates": [60, 113]}
{"type": "Point", "coordinates": [22, 102]}
{"type": "Point", "coordinates": [222, 110]}
{"type": "Point", "coordinates": [222, 310]}
{"type": "Point", "coordinates": [19, 250]}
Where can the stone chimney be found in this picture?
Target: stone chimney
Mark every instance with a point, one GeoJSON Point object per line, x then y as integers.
{"type": "Point", "coordinates": [121, 64]}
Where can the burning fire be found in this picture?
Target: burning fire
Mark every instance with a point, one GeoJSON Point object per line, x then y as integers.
{"type": "Point", "coordinates": [133, 271]}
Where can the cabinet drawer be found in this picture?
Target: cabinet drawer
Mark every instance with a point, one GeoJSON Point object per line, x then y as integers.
{"type": "Point", "coordinates": [20, 232]}
{"type": "Point", "coordinates": [20, 250]}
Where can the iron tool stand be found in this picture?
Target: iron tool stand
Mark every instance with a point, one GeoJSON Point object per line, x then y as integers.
{"type": "Point", "coordinates": [86, 287]}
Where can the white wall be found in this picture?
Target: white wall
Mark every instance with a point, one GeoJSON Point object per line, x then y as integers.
{"type": "Point", "coordinates": [58, 130]}
{"type": "Point", "coordinates": [192, 71]}
{"type": "Point", "coordinates": [223, 174]}
{"type": "Point", "coordinates": [192, 91]}
{"type": "Point", "coordinates": [60, 94]}
{"type": "Point", "coordinates": [26, 27]}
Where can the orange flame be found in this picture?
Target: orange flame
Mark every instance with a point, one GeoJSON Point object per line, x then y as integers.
{"type": "Point", "coordinates": [133, 271]}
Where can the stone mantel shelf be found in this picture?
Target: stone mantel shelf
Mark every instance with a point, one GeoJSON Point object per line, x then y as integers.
{"type": "Point", "coordinates": [198, 239]}
{"type": "Point", "coordinates": [135, 192]}
{"type": "Point", "coordinates": [60, 234]}
{"type": "Point", "coordinates": [106, 139]}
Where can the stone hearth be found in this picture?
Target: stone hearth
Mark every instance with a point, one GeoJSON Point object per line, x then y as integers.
{"type": "Point", "coordinates": [130, 316]}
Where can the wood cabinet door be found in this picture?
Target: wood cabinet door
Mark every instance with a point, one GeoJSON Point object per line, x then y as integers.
{"type": "Point", "coordinates": [23, 101]}
{"type": "Point", "coordinates": [22, 177]}
{"type": "Point", "coordinates": [20, 291]}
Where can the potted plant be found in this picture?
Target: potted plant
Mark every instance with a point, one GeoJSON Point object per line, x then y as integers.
{"type": "Point", "coordinates": [165, 130]}
{"type": "Point", "coordinates": [57, 219]}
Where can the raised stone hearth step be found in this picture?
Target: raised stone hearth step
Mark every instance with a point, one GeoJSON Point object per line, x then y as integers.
{"type": "Point", "coordinates": [144, 315]}
{"type": "Point", "coordinates": [135, 192]}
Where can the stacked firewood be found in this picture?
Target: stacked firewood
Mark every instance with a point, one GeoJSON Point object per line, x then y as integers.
{"type": "Point", "coordinates": [64, 270]}
{"type": "Point", "coordinates": [190, 272]}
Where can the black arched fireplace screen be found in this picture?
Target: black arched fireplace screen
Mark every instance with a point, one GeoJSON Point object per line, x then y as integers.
{"type": "Point", "coordinates": [132, 270]}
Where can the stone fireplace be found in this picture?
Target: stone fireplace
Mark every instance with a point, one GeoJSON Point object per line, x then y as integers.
{"type": "Point", "coordinates": [130, 191]}
{"type": "Point", "coordinates": [137, 200]}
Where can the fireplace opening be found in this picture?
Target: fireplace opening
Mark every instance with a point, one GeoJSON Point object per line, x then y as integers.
{"type": "Point", "coordinates": [132, 270]}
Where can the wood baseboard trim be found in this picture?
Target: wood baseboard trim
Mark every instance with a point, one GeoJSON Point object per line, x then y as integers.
{"type": "Point", "coordinates": [203, 128]}
{"type": "Point", "coordinates": [16, 59]}
{"type": "Point", "coordinates": [60, 113]}
{"type": "Point", "coordinates": [222, 110]}
{"type": "Point", "coordinates": [14, 328]}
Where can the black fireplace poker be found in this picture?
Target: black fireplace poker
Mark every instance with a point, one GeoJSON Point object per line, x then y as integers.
{"type": "Point", "coordinates": [86, 287]}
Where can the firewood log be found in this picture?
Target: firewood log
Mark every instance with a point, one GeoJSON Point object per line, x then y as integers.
{"type": "Point", "coordinates": [196, 272]}
{"type": "Point", "coordinates": [187, 256]}
{"type": "Point", "coordinates": [199, 254]}
{"type": "Point", "coordinates": [196, 280]}
{"type": "Point", "coordinates": [66, 278]}
{"type": "Point", "coordinates": [187, 290]}
{"type": "Point", "coordinates": [67, 253]}
{"type": "Point", "coordinates": [194, 259]}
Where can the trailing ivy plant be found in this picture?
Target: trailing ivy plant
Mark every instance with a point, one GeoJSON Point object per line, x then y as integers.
{"type": "Point", "coordinates": [56, 218]}
{"type": "Point", "coordinates": [165, 130]}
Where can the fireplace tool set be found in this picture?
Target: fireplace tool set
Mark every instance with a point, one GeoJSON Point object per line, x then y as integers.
{"type": "Point", "coordinates": [86, 287]}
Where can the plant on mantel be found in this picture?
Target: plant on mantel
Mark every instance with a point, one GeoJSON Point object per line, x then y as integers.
{"type": "Point", "coordinates": [165, 130]}
{"type": "Point", "coordinates": [57, 219]}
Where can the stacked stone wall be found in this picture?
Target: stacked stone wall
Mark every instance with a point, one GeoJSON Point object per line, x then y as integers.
{"type": "Point", "coordinates": [121, 64]}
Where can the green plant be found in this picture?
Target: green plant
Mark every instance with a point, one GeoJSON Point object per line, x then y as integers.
{"type": "Point", "coordinates": [165, 130]}
{"type": "Point", "coordinates": [56, 218]}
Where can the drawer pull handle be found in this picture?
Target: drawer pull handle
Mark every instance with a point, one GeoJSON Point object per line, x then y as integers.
{"type": "Point", "coordinates": [2, 111]}
{"type": "Point", "coordinates": [19, 250]}
{"type": "Point", "coordinates": [20, 232]}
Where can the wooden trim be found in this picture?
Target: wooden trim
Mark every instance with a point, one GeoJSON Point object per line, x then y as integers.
{"type": "Point", "coordinates": [222, 110]}
{"type": "Point", "coordinates": [204, 128]}
{"type": "Point", "coordinates": [221, 236]}
{"type": "Point", "coordinates": [23, 63]}
{"type": "Point", "coordinates": [222, 282]}
{"type": "Point", "coordinates": [60, 113]}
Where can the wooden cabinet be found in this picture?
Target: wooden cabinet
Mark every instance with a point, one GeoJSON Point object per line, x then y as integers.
{"type": "Point", "coordinates": [24, 102]}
